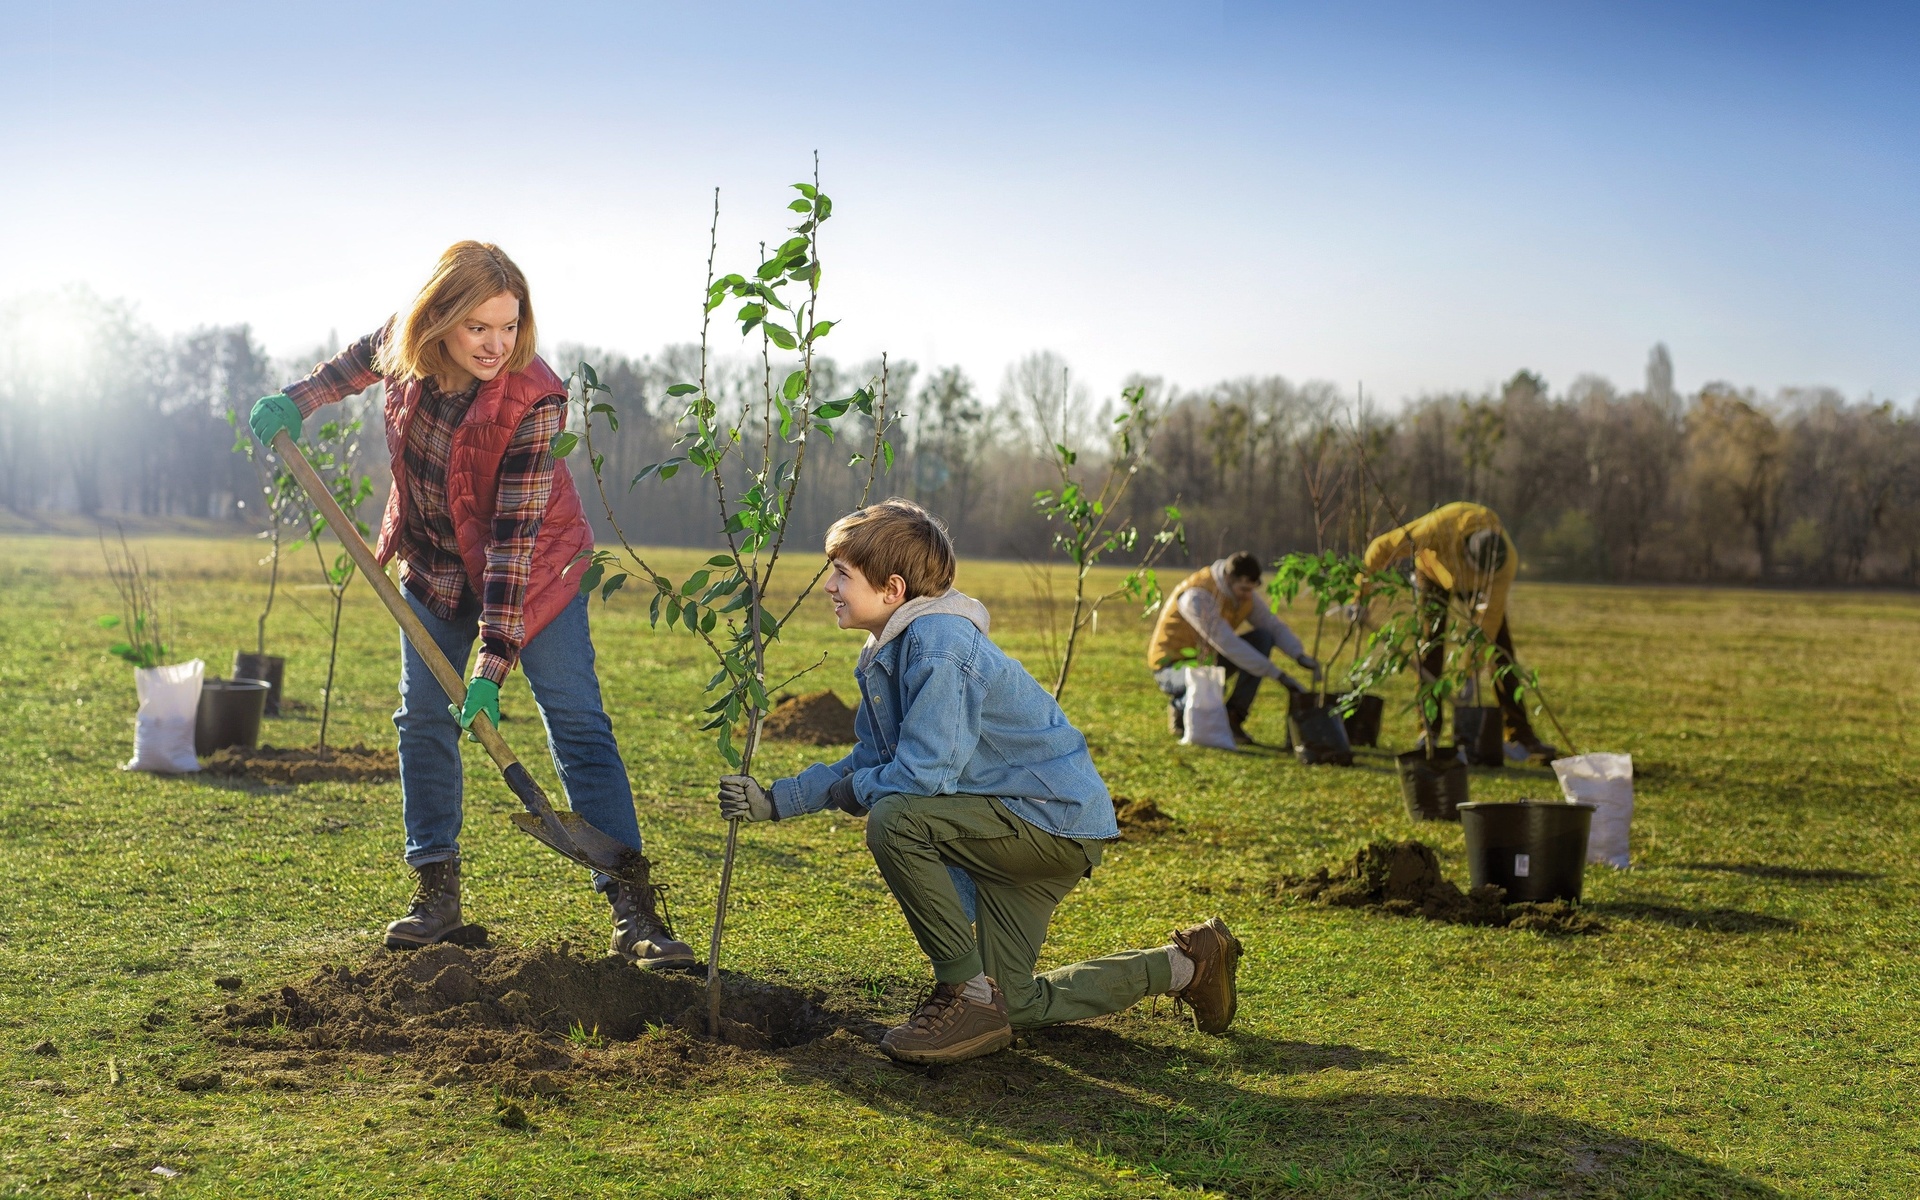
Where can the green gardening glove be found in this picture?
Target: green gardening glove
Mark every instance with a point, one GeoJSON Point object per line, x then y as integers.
{"type": "Point", "coordinates": [483, 696]}
{"type": "Point", "coordinates": [273, 413]}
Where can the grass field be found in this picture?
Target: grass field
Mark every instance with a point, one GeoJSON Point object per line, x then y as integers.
{"type": "Point", "coordinates": [1747, 1027]}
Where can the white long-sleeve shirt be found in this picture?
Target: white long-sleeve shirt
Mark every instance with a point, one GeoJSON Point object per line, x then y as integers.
{"type": "Point", "coordinates": [1202, 611]}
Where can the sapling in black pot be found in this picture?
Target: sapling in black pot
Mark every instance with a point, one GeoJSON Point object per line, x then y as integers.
{"type": "Point", "coordinates": [279, 506]}
{"type": "Point", "coordinates": [1316, 722]}
{"type": "Point", "coordinates": [1433, 778]}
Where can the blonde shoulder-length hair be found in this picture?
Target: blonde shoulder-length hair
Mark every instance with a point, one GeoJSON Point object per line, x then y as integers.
{"type": "Point", "coordinates": [468, 275]}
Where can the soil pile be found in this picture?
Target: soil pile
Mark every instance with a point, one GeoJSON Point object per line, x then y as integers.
{"type": "Point", "coordinates": [518, 1018]}
{"type": "Point", "coordinates": [1139, 819]}
{"type": "Point", "coordinates": [815, 719]}
{"type": "Point", "coordinates": [306, 764]}
{"type": "Point", "coordinates": [1404, 879]}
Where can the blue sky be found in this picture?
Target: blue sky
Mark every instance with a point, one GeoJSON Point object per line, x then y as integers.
{"type": "Point", "coordinates": [1417, 196]}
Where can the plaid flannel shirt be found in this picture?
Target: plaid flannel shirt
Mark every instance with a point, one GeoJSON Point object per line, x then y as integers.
{"type": "Point", "coordinates": [430, 563]}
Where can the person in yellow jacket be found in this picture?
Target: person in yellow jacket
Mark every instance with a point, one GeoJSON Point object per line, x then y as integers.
{"type": "Point", "coordinates": [1200, 621]}
{"type": "Point", "coordinates": [1460, 551]}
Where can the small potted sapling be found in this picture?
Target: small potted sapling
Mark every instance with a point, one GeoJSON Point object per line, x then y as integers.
{"type": "Point", "coordinates": [169, 694]}
{"type": "Point", "coordinates": [1433, 777]}
{"type": "Point", "coordinates": [279, 506]}
{"type": "Point", "coordinates": [1317, 725]}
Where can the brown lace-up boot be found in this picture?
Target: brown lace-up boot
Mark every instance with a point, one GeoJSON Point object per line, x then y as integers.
{"type": "Point", "coordinates": [1211, 993]}
{"type": "Point", "coordinates": [640, 934]}
{"type": "Point", "coordinates": [434, 911]}
{"type": "Point", "coordinates": [948, 1027]}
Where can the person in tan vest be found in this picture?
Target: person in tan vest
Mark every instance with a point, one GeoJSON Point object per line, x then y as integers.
{"type": "Point", "coordinates": [1200, 621]}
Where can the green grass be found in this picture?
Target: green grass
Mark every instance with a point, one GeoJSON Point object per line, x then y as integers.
{"type": "Point", "coordinates": [1746, 1028]}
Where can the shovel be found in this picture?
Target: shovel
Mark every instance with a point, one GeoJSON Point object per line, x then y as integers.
{"type": "Point", "coordinates": [561, 830]}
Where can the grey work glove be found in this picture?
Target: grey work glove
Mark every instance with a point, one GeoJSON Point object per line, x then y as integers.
{"type": "Point", "coordinates": [1309, 662]}
{"type": "Point", "coordinates": [743, 799]}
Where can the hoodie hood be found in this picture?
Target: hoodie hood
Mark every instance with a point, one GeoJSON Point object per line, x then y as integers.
{"type": "Point", "coordinates": [1221, 579]}
{"type": "Point", "coordinates": [952, 602]}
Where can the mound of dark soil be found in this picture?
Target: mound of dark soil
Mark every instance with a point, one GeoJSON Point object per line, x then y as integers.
{"type": "Point", "coordinates": [306, 764]}
{"type": "Point", "coordinates": [815, 719]}
{"type": "Point", "coordinates": [1140, 819]}
{"type": "Point", "coordinates": [519, 1018]}
{"type": "Point", "coordinates": [1404, 879]}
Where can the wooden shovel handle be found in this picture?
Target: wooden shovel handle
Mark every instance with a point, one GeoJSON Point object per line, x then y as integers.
{"type": "Point", "coordinates": [362, 554]}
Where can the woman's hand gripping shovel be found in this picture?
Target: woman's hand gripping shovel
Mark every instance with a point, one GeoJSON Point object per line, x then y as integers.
{"type": "Point", "coordinates": [564, 831]}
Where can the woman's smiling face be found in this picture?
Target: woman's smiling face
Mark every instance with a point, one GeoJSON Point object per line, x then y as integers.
{"type": "Point", "coordinates": [483, 341]}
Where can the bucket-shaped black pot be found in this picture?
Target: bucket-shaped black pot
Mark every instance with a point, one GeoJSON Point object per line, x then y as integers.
{"type": "Point", "coordinates": [1435, 787]}
{"type": "Point", "coordinates": [269, 669]}
{"type": "Point", "coordinates": [1481, 733]}
{"type": "Point", "coordinates": [1319, 736]}
{"type": "Point", "coordinates": [229, 714]}
{"type": "Point", "coordinates": [1363, 723]}
{"type": "Point", "coordinates": [1536, 849]}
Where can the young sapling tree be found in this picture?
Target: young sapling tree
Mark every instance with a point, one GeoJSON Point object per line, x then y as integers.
{"type": "Point", "coordinates": [331, 450]}
{"type": "Point", "coordinates": [753, 461]}
{"type": "Point", "coordinates": [142, 623]}
{"type": "Point", "coordinates": [1092, 525]}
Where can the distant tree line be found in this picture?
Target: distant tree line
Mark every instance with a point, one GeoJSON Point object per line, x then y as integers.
{"type": "Point", "coordinates": [101, 416]}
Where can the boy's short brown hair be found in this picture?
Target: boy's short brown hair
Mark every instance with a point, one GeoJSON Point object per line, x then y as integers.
{"type": "Point", "coordinates": [895, 537]}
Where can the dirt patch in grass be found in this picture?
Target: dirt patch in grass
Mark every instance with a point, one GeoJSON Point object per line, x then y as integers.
{"type": "Point", "coordinates": [522, 1019]}
{"type": "Point", "coordinates": [815, 719]}
{"type": "Point", "coordinates": [306, 764]}
{"type": "Point", "coordinates": [1404, 879]}
{"type": "Point", "coordinates": [1140, 819]}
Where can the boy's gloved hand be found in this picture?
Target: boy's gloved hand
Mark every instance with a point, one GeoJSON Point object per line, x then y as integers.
{"type": "Point", "coordinates": [743, 799]}
{"type": "Point", "coordinates": [1309, 662]}
{"type": "Point", "coordinates": [483, 696]}
{"type": "Point", "coordinates": [273, 413]}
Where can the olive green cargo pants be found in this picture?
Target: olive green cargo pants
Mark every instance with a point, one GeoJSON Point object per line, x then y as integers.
{"type": "Point", "coordinates": [1021, 873]}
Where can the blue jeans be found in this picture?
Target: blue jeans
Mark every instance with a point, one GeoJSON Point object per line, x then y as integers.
{"type": "Point", "coordinates": [1240, 700]}
{"type": "Point", "coordinates": [558, 664]}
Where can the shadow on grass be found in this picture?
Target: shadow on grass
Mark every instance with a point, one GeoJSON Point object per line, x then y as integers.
{"type": "Point", "coordinates": [1794, 874]}
{"type": "Point", "coordinates": [1185, 1116]}
{"type": "Point", "coordinates": [1711, 920]}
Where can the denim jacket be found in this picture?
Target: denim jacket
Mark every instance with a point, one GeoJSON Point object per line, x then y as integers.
{"type": "Point", "coordinates": [944, 711]}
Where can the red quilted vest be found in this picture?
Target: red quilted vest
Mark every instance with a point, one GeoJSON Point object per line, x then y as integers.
{"type": "Point", "coordinates": [473, 479]}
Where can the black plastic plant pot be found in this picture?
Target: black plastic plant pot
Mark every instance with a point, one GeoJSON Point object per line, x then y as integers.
{"type": "Point", "coordinates": [269, 669]}
{"type": "Point", "coordinates": [1481, 732]}
{"type": "Point", "coordinates": [1363, 723]}
{"type": "Point", "coordinates": [1319, 736]}
{"type": "Point", "coordinates": [1536, 849]}
{"type": "Point", "coordinates": [1435, 787]}
{"type": "Point", "coordinates": [229, 714]}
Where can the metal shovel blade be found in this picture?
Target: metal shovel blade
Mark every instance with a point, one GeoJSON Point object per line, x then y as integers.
{"type": "Point", "coordinates": [585, 845]}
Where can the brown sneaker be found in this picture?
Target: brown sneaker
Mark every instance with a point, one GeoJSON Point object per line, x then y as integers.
{"type": "Point", "coordinates": [1211, 993]}
{"type": "Point", "coordinates": [948, 1027]}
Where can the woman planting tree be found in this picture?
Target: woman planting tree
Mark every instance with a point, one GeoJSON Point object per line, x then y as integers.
{"type": "Point", "coordinates": [485, 523]}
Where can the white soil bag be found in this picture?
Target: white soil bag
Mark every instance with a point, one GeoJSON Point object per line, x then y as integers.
{"type": "Point", "coordinates": [1606, 782]}
{"type": "Point", "coordinates": [163, 730]}
{"type": "Point", "coordinates": [1206, 709]}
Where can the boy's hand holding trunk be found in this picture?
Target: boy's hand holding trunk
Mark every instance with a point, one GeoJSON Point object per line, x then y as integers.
{"type": "Point", "coordinates": [743, 799]}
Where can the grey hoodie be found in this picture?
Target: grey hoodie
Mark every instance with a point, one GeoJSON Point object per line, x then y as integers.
{"type": "Point", "coordinates": [952, 602]}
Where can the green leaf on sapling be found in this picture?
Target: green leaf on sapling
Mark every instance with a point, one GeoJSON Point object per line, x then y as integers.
{"type": "Point", "coordinates": [795, 383]}
{"type": "Point", "coordinates": [780, 335]}
{"type": "Point", "coordinates": [683, 389]}
{"type": "Point", "coordinates": [800, 206]}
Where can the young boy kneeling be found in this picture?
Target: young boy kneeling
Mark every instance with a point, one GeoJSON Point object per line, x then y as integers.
{"type": "Point", "coordinates": [983, 807]}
